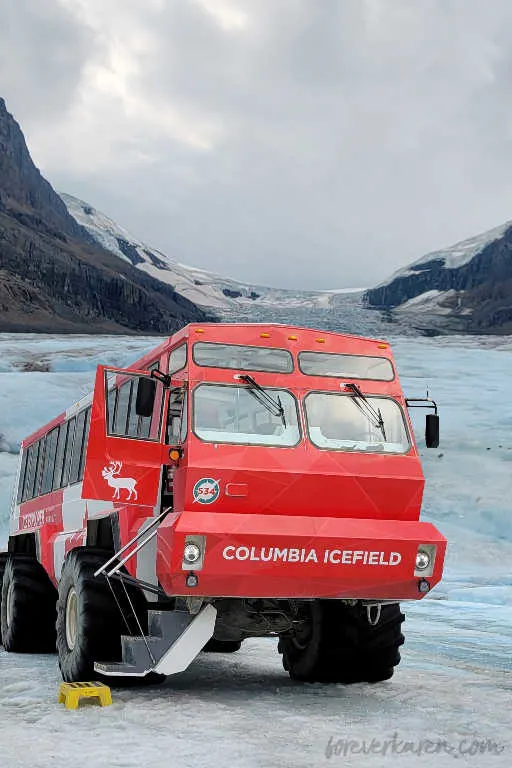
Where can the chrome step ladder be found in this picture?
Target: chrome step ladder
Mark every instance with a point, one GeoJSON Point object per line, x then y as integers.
{"type": "Point", "coordinates": [173, 641]}
{"type": "Point", "coordinates": [175, 637]}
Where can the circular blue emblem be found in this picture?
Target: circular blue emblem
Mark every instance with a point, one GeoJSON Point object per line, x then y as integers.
{"type": "Point", "coordinates": [206, 490]}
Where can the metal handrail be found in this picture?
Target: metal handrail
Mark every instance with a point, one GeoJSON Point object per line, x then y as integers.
{"type": "Point", "coordinates": [155, 522]}
{"type": "Point", "coordinates": [139, 546]}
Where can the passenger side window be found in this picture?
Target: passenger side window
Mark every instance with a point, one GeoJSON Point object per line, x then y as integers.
{"type": "Point", "coordinates": [49, 461]}
{"type": "Point", "coordinates": [177, 359]}
{"type": "Point", "coordinates": [122, 418]}
{"type": "Point", "coordinates": [68, 451]}
{"type": "Point", "coordinates": [84, 443]}
{"type": "Point", "coordinates": [39, 467]}
{"type": "Point", "coordinates": [59, 456]}
{"type": "Point", "coordinates": [121, 410]}
{"type": "Point", "coordinates": [31, 473]}
{"type": "Point", "coordinates": [23, 471]}
{"type": "Point", "coordinates": [77, 447]}
{"type": "Point", "coordinates": [177, 418]}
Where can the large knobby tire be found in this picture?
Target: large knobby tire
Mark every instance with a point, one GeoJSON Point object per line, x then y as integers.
{"type": "Point", "coordinates": [88, 619]}
{"type": "Point", "coordinates": [89, 622]}
{"type": "Point", "coordinates": [3, 561]}
{"type": "Point", "coordinates": [337, 644]}
{"type": "Point", "coordinates": [222, 646]}
{"type": "Point", "coordinates": [28, 607]}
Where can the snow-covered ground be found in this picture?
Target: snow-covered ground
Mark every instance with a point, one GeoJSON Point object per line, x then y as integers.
{"type": "Point", "coordinates": [451, 698]}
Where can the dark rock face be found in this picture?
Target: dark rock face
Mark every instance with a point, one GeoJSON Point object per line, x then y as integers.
{"type": "Point", "coordinates": [130, 252]}
{"type": "Point", "coordinates": [232, 294]}
{"type": "Point", "coordinates": [53, 276]}
{"type": "Point", "coordinates": [481, 290]}
{"type": "Point", "coordinates": [24, 193]}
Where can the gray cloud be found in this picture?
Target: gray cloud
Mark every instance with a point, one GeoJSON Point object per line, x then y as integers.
{"type": "Point", "coordinates": [298, 143]}
{"type": "Point", "coordinates": [43, 49]}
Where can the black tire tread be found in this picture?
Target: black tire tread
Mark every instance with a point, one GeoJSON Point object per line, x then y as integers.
{"type": "Point", "coordinates": [345, 648]}
{"type": "Point", "coordinates": [99, 632]}
{"type": "Point", "coordinates": [32, 629]}
{"type": "Point", "coordinates": [99, 637]}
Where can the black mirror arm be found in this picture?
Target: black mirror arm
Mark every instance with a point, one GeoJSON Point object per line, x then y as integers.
{"type": "Point", "coordinates": [161, 377]}
{"type": "Point", "coordinates": [421, 402]}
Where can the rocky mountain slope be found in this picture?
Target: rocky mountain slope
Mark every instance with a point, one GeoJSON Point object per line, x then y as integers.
{"type": "Point", "coordinates": [53, 275]}
{"type": "Point", "coordinates": [466, 288]}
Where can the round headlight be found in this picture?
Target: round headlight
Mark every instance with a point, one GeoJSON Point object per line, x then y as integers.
{"type": "Point", "coordinates": [191, 553]}
{"type": "Point", "coordinates": [422, 561]}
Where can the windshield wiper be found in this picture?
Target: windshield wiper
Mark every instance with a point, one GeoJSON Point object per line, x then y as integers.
{"type": "Point", "coordinates": [275, 407]}
{"type": "Point", "coordinates": [373, 415]}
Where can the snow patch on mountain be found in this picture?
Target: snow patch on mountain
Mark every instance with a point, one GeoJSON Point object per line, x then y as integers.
{"type": "Point", "coordinates": [222, 294]}
{"type": "Point", "coordinates": [453, 257]}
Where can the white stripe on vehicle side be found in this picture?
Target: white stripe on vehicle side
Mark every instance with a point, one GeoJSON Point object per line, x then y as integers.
{"type": "Point", "coordinates": [14, 513]}
{"type": "Point", "coordinates": [98, 508]}
{"type": "Point", "coordinates": [146, 563]}
{"type": "Point", "coordinates": [59, 553]}
{"type": "Point", "coordinates": [73, 508]}
{"type": "Point", "coordinates": [14, 524]}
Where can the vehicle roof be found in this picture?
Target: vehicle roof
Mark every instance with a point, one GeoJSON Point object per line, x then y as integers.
{"type": "Point", "coordinates": [292, 337]}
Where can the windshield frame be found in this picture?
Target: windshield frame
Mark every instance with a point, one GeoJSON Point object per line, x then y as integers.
{"type": "Point", "coordinates": [359, 451]}
{"type": "Point", "coordinates": [298, 425]}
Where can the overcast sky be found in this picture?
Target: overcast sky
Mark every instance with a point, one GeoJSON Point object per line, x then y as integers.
{"type": "Point", "coordinates": [297, 143]}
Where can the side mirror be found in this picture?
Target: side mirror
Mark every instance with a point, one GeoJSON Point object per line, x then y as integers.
{"type": "Point", "coordinates": [432, 430]}
{"type": "Point", "coordinates": [146, 391]}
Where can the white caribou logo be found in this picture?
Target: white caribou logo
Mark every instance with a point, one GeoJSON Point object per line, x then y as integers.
{"type": "Point", "coordinates": [111, 475]}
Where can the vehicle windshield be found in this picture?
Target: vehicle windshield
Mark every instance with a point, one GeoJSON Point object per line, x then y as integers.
{"type": "Point", "coordinates": [231, 414]}
{"type": "Point", "coordinates": [336, 422]}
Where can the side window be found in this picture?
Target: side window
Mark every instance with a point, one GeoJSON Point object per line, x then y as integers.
{"type": "Point", "coordinates": [146, 421]}
{"type": "Point", "coordinates": [133, 420]}
{"type": "Point", "coordinates": [31, 473]}
{"type": "Point", "coordinates": [59, 456]}
{"type": "Point", "coordinates": [121, 409]}
{"type": "Point", "coordinates": [68, 451]}
{"type": "Point", "coordinates": [177, 359]}
{"type": "Point", "coordinates": [77, 447]}
{"type": "Point", "coordinates": [23, 470]}
{"type": "Point", "coordinates": [111, 407]}
{"type": "Point", "coordinates": [176, 418]}
{"type": "Point", "coordinates": [122, 418]}
{"type": "Point", "coordinates": [39, 468]}
{"type": "Point", "coordinates": [84, 443]}
{"type": "Point", "coordinates": [49, 461]}
{"type": "Point", "coordinates": [183, 431]}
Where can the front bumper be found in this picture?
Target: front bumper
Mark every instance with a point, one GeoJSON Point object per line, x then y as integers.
{"type": "Point", "coordinates": [282, 556]}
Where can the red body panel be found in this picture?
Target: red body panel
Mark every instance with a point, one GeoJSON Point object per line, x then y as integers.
{"type": "Point", "coordinates": [325, 557]}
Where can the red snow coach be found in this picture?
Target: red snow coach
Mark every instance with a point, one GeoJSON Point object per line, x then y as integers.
{"type": "Point", "coordinates": [237, 481]}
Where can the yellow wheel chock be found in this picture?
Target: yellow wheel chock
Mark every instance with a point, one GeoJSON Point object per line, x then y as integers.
{"type": "Point", "coordinates": [71, 693]}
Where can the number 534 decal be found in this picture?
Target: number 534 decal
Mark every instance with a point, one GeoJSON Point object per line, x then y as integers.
{"type": "Point", "coordinates": [206, 490]}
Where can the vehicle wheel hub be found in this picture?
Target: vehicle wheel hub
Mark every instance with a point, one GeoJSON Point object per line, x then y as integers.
{"type": "Point", "coordinates": [10, 603]}
{"type": "Point", "coordinates": [71, 618]}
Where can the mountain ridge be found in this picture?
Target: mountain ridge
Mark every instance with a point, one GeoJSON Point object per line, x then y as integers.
{"type": "Point", "coordinates": [54, 276]}
{"type": "Point", "coordinates": [465, 288]}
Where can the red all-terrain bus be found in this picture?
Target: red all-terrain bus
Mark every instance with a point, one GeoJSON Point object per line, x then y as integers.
{"type": "Point", "coordinates": [237, 481]}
